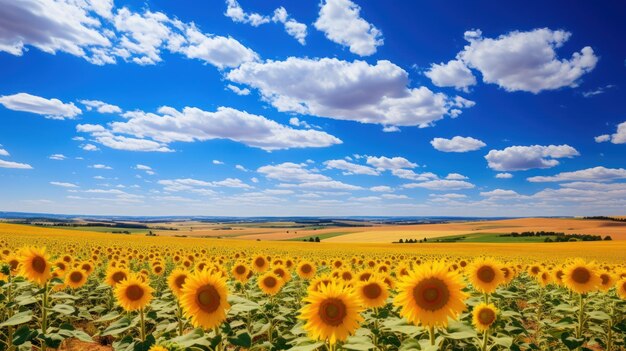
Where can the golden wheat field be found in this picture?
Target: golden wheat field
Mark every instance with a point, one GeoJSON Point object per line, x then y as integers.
{"type": "Point", "coordinates": [69, 290]}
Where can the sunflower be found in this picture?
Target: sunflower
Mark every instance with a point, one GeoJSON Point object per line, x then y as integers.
{"type": "Point", "coordinates": [282, 273]}
{"type": "Point", "coordinates": [319, 281]}
{"type": "Point", "coordinates": [620, 289]}
{"type": "Point", "coordinates": [485, 275]}
{"type": "Point", "coordinates": [306, 270]}
{"type": "Point", "coordinates": [606, 281]}
{"type": "Point", "coordinates": [483, 316]}
{"type": "Point", "coordinates": [557, 276]}
{"type": "Point", "coordinates": [373, 292]}
{"type": "Point", "coordinates": [35, 265]}
{"type": "Point", "coordinates": [543, 278]}
{"type": "Point", "coordinates": [75, 278]}
{"type": "Point", "coordinates": [157, 348]}
{"type": "Point", "coordinates": [13, 261]}
{"type": "Point", "coordinates": [260, 264]}
{"type": "Point", "coordinates": [240, 272]}
{"type": "Point", "coordinates": [430, 294]}
{"type": "Point", "coordinates": [115, 275]}
{"type": "Point", "coordinates": [270, 283]}
{"type": "Point", "coordinates": [581, 277]}
{"type": "Point", "coordinates": [133, 294]}
{"type": "Point", "coordinates": [332, 313]}
{"type": "Point", "coordinates": [204, 299]}
{"type": "Point", "coordinates": [176, 281]}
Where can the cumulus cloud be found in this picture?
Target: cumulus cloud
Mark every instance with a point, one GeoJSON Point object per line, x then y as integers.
{"type": "Point", "coordinates": [504, 175]}
{"type": "Point", "coordinates": [441, 184]}
{"type": "Point", "coordinates": [358, 91]}
{"type": "Point", "coordinates": [235, 12]}
{"type": "Point", "coordinates": [17, 165]}
{"type": "Point", "coordinates": [382, 189]}
{"type": "Point", "coordinates": [100, 106]}
{"type": "Point", "coordinates": [100, 166]}
{"type": "Point", "coordinates": [153, 132]}
{"type": "Point", "coordinates": [64, 184]}
{"type": "Point", "coordinates": [452, 74]}
{"type": "Point", "coordinates": [526, 61]}
{"type": "Point", "coordinates": [350, 168]}
{"type": "Point", "coordinates": [3, 152]}
{"type": "Point", "coordinates": [456, 176]}
{"type": "Point", "coordinates": [218, 162]}
{"type": "Point", "coordinates": [297, 175]}
{"type": "Point", "coordinates": [89, 147]}
{"type": "Point", "coordinates": [500, 193]}
{"type": "Point", "coordinates": [602, 138]}
{"type": "Point", "coordinates": [457, 144]}
{"type": "Point", "coordinates": [101, 34]}
{"type": "Point", "coordinates": [387, 163]}
{"type": "Point", "coordinates": [619, 137]}
{"type": "Point", "coordinates": [590, 174]}
{"type": "Point", "coordinates": [57, 157]}
{"type": "Point", "coordinates": [294, 28]}
{"type": "Point", "coordinates": [519, 158]}
{"type": "Point", "coordinates": [49, 108]}
{"type": "Point", "coordinates": [238, 91]}
{"type": "Point", "coordinates": [341, 22]}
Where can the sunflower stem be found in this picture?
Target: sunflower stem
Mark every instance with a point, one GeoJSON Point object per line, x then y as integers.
{"type": "Point", "coordinates": [143, 325]}
{"type": "Point", "coordinates": [485, 340]}
{"type": "Point", "coordinates": [179, 313]}
{"type": "Point", "coordinates": [486, 298]}
{"type": "Point", "coordinates": [44, 315]}
{"type": "Point", "coordinates": [431, 333]}
{"type": "Point", "coordinates": [581, 310]}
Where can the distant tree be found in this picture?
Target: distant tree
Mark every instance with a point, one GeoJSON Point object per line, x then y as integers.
{"type": "Point", "coordinates": [608, 238]}
{"type": "Point", "coordinates": [401, 241]}
{"type": "Point", "coordinates": [425, 240]}
{"type": "Point", "coordinates": [311, 239]}
{"type": "Point", "coordinates": [548, 240]}
{"type": "Point", "coordinates": [317, 239]}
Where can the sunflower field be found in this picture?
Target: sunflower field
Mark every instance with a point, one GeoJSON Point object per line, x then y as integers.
{"type": "Point", "coordinates": [60, 289]}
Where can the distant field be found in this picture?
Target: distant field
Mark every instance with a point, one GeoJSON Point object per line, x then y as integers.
{"type": "Point", "coordinates": [321, 236]}
{"type": "Point", "coordinates": [102, 229]}
{"type": "Point", "coordinates": [491, 238]}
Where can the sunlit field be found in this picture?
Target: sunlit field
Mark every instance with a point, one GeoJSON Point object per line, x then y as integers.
{"type": "Point", "coordinates": [93, 291]}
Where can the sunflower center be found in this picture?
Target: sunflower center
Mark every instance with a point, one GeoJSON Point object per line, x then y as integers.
{"type": "Point", "coordinates": [134, 292]}
{"type": "Point", "coordinates": [559, 274]}
{"type": "Point", "coordinates": [14, 264]}
{"type": "Point", "coordinates": [581, 275]}
{"type": "Point", "coordinates": [39, 264]}
{"type": "Point", "coordinates": [240, 269]}
{"type": "Point", "coordinates": [76, 277]}
{"type": "Point", "coordinates": [486, 274]}
{"type": "Point", "coordinates": [506, 272]}
{"type": "Point", "coordinates": [180, 280]}
{"type": "Point", "coordinates": [605, 279]}
{"type": "Point", "coordinates": [118, 276]}
{"type": "Point", "coordinates": [306, 268]}
{"type": "Point", "coordinates": [279, 272]}
{"type": "Point", "coordinates": [431, 294]}
{"type": "Point", "coordinates": [372, 291]}
{"type": "Point", "coordinates": [270, 282]}
{"type": "Point", "coordinates": [346, 276]}
{"type": "Point", "coordinates": [365, 277]}
{"type": "Point", "coordinates": [332, 311]}
{"type": "Point", "coordinates": [535, 270]}
{"type": "Point", "coordinates": [486, 316]}
{"type": "Point", "coordinates": [208, 298]}
{"type": "Point", "coordinates": [259, 262]}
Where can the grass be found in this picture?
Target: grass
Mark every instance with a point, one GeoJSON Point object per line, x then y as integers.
{"type": "Point", "coordinates": [490, 238]}
{"type": "Point", "coordinates": [99, 229]}
{"type": "Point", "coordinates": [321, 236]}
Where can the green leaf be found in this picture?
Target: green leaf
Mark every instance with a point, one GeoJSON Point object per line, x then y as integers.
{"type": "Point", "coordinates": [64, 309]}
{"type": "Point", "coordinates": [409, 345]}
{"type": "Point", "coordinates": [19, 318]}
{"type": "Point", "coordinates": [359, 343]}
{"type": "Point", "coordinates": [107, 317]}
{"type": "Point", "coordinates": [23, 334]}
{"type": "Point", "coordinates": [120, 326]}
{"type": "Point", "coordinates": [242, 339]}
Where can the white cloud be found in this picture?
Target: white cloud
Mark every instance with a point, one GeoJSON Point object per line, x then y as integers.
{"type": "Point", "coordinates": [100, 106]}
{"type": "Point", "coordinates": [382, 189]}
{"type": "Point", "coordinates": [358, 91]}
{"type": "Point", "coordinates": [386, 163]}
{"type": "Point", "coordinates": [394, 197]}
{"type": "Point", "coordinates": [241, 168]}
{"type": "Point", "coordinates": [597, 91]}
{"type": "Point", "coordinates": [441, 184]}
{"type": "Point", "coordinates": [618, 138]}
{"type": "Point", "coordinates": [238, 91]}
{"type": "Point", "coordinates": [451, 74]}
{"type": "Point", "coordinates": [57, 157]}
{"type": "Point", "coordinates": [341, 22]}
{"type": "Point", "coordinates": [292, 27]}
{"type": "Point", "coordinates": [217, 162]}
{"type": "Point", "coordinates": [499, 193]}
{"type": "Point", "coordinates": [325, 185]}
{"type": "Point", "coordinates": [350, 168]}
{"type": "Point", "coordinates": [49, 108]}
{"type": "Point", "coordinates": [457, 144]}
{"type": "Point", "coordinates": [235, 12]}
{"type": "Point", "coordinates": [193, 124]}
{"type": "Point", "coordinates": [100, 166]}
{"type": "Point", "coordinates": [232, 183]}
{"type": "Point", "coordinates": [89, 147]}
{"type": "Point", "coordinates": [409, 174]}
{"type": "Point", "coordinates": [590, 174]}
{"type": "Point", "coordinates": [64, 184]}
{"type": "Point", "coordinates": [4, 152]}
{"type": "Point", "coordinates": [302, 176]}
{"type": "Point", "coordinates": [100, 34]}
{"type": "Point", "coordinates": [9, 164]}
{"type": "Point", "coordinates": [143, 167]}
{"type": "Point", "coordinates": [504, 176]}
{"type": "Point", "coordinates": [519, 158]}
{"type": "Point", "coordinates": [456, 176]}
{"type": "Point", "coordinates": [526, 61]}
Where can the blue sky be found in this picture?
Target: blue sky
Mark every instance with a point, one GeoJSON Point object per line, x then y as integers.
{"type": "Point", "coordinates": [336, 108]}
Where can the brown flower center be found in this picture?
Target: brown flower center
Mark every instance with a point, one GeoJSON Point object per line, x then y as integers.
{"type": "Point", "coordinates": [134, 292]}
{"type": "Point", "coordinates": [270, 282]}
{"type": "Point", "coordinates": [486, 274]}
{"type": "Point", "coordinates": [605, 278]}
{"type": "Point", "coordinates": [365, 276]}
{"type": "Point", "coordinates": [76, 277]}
{"type": "Point", "coordinates": [39, 264]}
{"type": "Point", "coordinates": [372, 291]}
{"type": "Point", "coordinates": [306, 268]}
{"type": "Point", "coordinates": [259, 262]}
{"type": "Point", "coordinates": [431, 294]}
{"type": "Point", "coordinates": [581, 275]}
{"type": "Point", "coordinates": [118, 277]}
{"type": "Point", "coordinates": [332, 311]}
{"type": "Point", "coordinates": [208, 298]}
{"type": "Point", "coordinates": [180, 281]}
{"type": "Point", "coordinates": [240, 269]}
{"type": "Point", "coordinates": [486, 316]}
